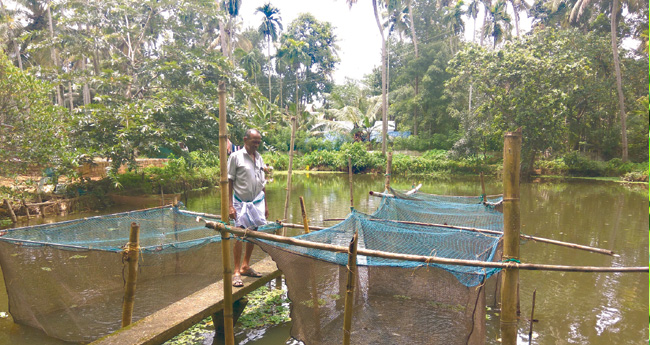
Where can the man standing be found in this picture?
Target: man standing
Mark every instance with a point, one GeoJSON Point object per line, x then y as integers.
{"type": "Point", "coordinates": [247, 201]}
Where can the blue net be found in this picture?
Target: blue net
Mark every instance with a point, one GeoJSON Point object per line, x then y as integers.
{"type": "Point", "coordinates": [456, 199]}
{"type": "Point", "coordinates": [388, 236]}
{"type": "Point", "coordinates": [168, 229]}
{"type": "Point", "coordinates": [67, 278]}
{"type": "Point", "coordinates": [473, 215]}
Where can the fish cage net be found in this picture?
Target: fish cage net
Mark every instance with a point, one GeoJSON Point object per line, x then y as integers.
{"type": "Point", "coordinates": [395, 301]}
{"type": "Point", "coordinates": [417, 195]}
{"type": "Point", "coordinates": [473, 215]}
{"type": "Point", "coordinates": [68, 278]}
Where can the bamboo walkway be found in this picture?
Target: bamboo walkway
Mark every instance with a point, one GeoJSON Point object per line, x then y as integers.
{"type": "Point", "coordinates": [176, 318]}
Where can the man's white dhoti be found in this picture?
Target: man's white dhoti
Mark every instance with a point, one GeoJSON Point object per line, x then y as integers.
{"type": "Point", "coordinates": [250, 214]}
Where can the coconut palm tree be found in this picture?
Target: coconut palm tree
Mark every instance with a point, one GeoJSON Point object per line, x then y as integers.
{"type": "Point", "coordinates": [270, 28]}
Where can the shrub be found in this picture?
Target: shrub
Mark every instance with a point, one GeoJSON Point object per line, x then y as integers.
{"type": "Point", "coordinates": [323, 160]}
{"type": "Point", "coordinates": [579, 165]}
{"type": "Point", "coordinates": [276, 160]}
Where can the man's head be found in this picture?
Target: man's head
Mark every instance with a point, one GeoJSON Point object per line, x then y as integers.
{"type": "Point", "coordinates": [252, 140]}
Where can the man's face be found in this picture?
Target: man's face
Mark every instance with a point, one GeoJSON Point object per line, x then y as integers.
{"type": "Point", "coordinates": [253, 141]}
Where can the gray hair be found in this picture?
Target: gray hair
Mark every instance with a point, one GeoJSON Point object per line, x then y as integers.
{"type": "Point", "coordinates": [251, 131]}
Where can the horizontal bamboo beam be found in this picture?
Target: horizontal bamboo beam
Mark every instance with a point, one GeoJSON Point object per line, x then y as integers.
{"type": "Point", "coordinates": [286, 225]}
{"type": "Point", "coordinates": [381, 195]}
{"type": "Point", "coordinates": [418, 258]}
{"type": "Point", "coordinates": [494, 232]}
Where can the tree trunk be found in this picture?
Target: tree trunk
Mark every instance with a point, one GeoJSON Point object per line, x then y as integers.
{"type": "Point", "coordinates": [486, 5]}
{"type": "Point", "coordinates": [417, 77]}
{"type": "Point", "coordinates": [384, 110]}
{"type": "Point", "coordinates": [515, 10]}
{"type": "Point", "coordinates": [86, 88]}
{"type": "Point", "coordinates": [619, 83]}
{"type": "Point", "coordinates": [270, 67]}
{"type": "Point", "coordinates": [55, 55]}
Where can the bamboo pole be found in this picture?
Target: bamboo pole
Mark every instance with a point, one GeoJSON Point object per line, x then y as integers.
{"type": "Point", "coordinates": [349, 295]}
{"type": "Point", "coordinates": [483, 195]}
{"type": "Point", "coordinates": [388, 195]}
{"type": "Point", "coordinates": [495, 232]}
{"type": "Point", "coordinates": [389, 163]}
{"type": "Point", "coordinates": [532, 319]}
{"type": "Point", "coordinates": [511, 229]}
{"type": "Point", "coordinates": [286, 201]}
{"type": "Point", "coordinates": [418, 258]}
{"type": "Point", "coordinates": [351, 185]}
{"type": "Point", "coordinates": [305, 223]}
{"type": "Point", "coordinates": [131, 254]}
{"type": "Point", "coordinates": [228, 322]}
{"type": "Point", "coordinates": [11, 211]}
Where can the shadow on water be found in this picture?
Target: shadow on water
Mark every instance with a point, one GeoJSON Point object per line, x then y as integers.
{"type": "Point", "coordinates": [584, 308]}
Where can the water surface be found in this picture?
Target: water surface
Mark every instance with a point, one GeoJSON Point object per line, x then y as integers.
{"type": "Point", "coordinates": [572, 308]}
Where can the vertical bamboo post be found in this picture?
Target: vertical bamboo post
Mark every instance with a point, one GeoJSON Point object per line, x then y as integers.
{"type": "Point", "coordinates": [351, 185]}
{"type": "Point", "coordinates": [11, 211]}
{"type": "Point", "coordinates": [483, 195]}
{"type": "Point", "coordinates": [131, 254]}
{"type": "Point", "coordinates": [349, 296]}
{"type": "Point", "coordinates": [511, 229]}
{"type": "Point", "coordinates": [286, 201]}
{"type": "Point", "coordinates": [162, 195]}
{"type": "Point", "coordinates": [228, 323]}
{"type": "Point", "coordinates": [389, 163]}
{"type": "Point", "coordinates": [532, 319]}
{"type": "Point", "coordinates": [304, 215]}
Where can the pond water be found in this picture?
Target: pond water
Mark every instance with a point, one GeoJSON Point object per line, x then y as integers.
{"type": "Point", "coordinates": [572, 308]}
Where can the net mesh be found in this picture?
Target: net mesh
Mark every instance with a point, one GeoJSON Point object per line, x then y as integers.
{"type": "Point", "coordinates": [475, 215]}
{"type": "Point", "coordinates": [417, 195]}
{"type": "Point", "coordinates": [67, 278]}
{"type": "Point", "coordinates": [395, 300]}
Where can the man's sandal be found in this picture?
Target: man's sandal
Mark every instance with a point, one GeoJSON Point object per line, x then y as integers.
{"type": "Point", "coordinates": [251, 273]}
{"type": "Point", "coordinates": [236, 281]}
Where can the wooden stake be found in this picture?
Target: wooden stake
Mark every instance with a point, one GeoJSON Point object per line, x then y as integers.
{"type": "Point", "coordinates": [511, 229]}
{"type": "Point", "coordinates": [131, 255]}
{"type": "Point", "coordinates": [286, 201]}
{"type": "Point", "coordinates": [483, 195]}
{"type": "Point", "coordinates": [532, 319]}
{"type": "Point", "coordinates": [351, 185]}
{"type": "Point", "coordinates": [389, 162]}
{"type": "Point", "coordinates": [349, 296]}
{"type": "Point", "coordinates": [26, 209]}
{"type": "Point", "coordinates": [228, 323]}
{"type": "Point", "coordinates": [304, 215]}
{"type": "Point", "coordinates": [11, 211]}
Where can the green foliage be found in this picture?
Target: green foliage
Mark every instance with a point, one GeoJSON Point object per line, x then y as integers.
{"type": "Point", "coordinates": [277, 160]}
{"type": "Point", "coordinates": [265, 307]}
{"type": "Point", "coordinates": [32, 129]}
{"type": "Point", "coordinates": [323, 160]}
{"type": "Point", "coordinates": [362, 160]}
{"type": "Point", "coordinates": [177, 176]}
{"type": "Point", "coordinates": [435, 141]}
{"type": "Point", "coordinates": [579, 165]}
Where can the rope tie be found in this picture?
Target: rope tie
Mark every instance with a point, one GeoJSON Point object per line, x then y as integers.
{"type": "Point", "coordinates": [511, 260]}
